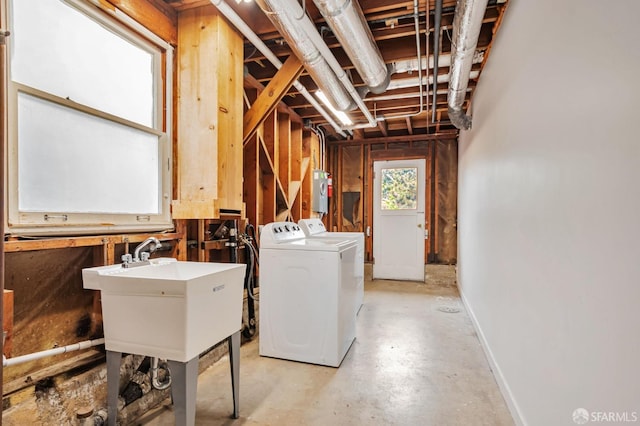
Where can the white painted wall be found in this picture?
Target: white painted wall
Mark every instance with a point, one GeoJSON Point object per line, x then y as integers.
{"type": "Point", "coordinates": [549, 209]}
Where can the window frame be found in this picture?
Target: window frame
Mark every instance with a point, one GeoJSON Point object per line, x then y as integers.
{"type": "Point", "coordinates": [70, 223]}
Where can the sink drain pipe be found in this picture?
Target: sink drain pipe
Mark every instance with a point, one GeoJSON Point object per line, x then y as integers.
{"type": "Point", "coordinates": [155, 380]}
{"type": "Point", "coordinates": [8, 362]}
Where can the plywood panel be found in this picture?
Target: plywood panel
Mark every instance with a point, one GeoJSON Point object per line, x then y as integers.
{"type": "Point", "coordinates": [209, 137]}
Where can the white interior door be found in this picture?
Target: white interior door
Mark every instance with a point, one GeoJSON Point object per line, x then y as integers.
{"type": "Point", "coordinates": [398, 219]}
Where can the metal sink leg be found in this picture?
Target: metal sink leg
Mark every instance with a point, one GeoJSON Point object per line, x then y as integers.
{"type": "Point", "coordinates": [234, 359]}
{"type": "Point", "coordinates": [184, 385]}
{"type": "Point", "coordinates": [113, 382]}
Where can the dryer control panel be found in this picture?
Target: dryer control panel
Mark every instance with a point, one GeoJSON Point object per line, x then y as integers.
{"type": "Point", "coordinates": [312, 226]}
{"type": "Point", "coordinates": [280, 231]}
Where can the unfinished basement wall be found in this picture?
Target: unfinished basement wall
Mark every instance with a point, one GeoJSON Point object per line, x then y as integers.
{"type": "Point", "coordinates": [277, 167]}
{"type": "Point", "coordinates": [549, 206]}
{"type": "Point", "coordinates": [351, 165]}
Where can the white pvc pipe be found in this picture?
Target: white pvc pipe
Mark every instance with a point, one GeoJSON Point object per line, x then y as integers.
{"type": "Point", "coordinates": [414, 81]}
{"type": "Point", "coordinates": [50, 352]}
{"type": "Point", "coordinates": [253, 38]}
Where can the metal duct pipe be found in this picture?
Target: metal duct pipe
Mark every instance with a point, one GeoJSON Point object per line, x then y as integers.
{"type": "Point", "coordinates": [299, 16]}
{"type": "Point", "coordinates": [291, 25]}
{"type": "Point", "coordinates": [467, 23]}
{"type": "Point", "coordinates": [253, 38]}
{"type": "Point", "coordinates": [436, 52]}
{"type": "Point", "coordinates": [347, 21]}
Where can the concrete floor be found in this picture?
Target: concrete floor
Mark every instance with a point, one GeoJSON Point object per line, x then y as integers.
{"type": "Point", "coordinates": [416, 361]}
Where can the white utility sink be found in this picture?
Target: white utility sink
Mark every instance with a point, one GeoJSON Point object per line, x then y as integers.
{"type": "Point", "coordinates": [168, 309]}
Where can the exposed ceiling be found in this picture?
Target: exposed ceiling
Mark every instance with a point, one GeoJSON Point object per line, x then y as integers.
{"type": "Point", "coordinates": [392, 24]}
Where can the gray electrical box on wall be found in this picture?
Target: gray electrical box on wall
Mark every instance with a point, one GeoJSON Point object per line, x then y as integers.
{"type": "Point", "coordinates": [320, 199]}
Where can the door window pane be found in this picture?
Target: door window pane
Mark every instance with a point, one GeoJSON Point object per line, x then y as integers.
{"type": "Point", "coordinates": [399, 188]}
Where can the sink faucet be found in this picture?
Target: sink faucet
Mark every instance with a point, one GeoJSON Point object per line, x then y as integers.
{"type": "Point", "coordinates": [141, 258]}
{"type": "Point", "coordinates": [151, 240]}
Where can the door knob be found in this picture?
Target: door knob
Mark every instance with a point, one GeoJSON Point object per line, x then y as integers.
{"type": "Point", "coordinates": [419, 225]}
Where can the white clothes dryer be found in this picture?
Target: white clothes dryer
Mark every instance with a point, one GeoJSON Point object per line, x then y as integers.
{"type": "Point", "coordinates": [314, 228]}
{"type": "Point", "coordinates": [307, 293]}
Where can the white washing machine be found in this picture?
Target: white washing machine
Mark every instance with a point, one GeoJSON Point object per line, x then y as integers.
{"type": "Point", "coordinates": [314, 228]}
{"type": "Point", "coordinates": [307, 294]}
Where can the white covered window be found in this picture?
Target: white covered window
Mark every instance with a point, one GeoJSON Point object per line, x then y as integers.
{"type": "Point", "coordinates": [88, 147]}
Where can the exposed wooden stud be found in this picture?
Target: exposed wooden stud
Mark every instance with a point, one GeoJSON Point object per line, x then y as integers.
{"type": "Point", "coordinates": [284, 153]}
{"type": "Point", "coordinates": [202, 254]}
{"type": "Point", "coordinates": [180, 248]}
{"type": "Point", "coordinates": [436, 207]}
{"type": "Point", "coordinates": [337, 193]}
{"type": "Point", "coordinates": [251, 179]}
{"type": "Point", "coordinates": [7, 321]}
{"type": "Point", "coordinates": [270, 140]}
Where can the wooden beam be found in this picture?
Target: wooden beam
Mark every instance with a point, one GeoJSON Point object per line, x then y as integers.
{"type": "Point", "coordinates": [382, 125]}
{"type": "Point", "coordinates": [156, 16]}
{"type": "Point", "coordinates": [434, 136]}
{"type": "Point", "coordinates": [409, 126]}
{"type": "Point", "coordinates": [358, 133]}
{"type": "Point", "coordinates": [251, 82]}
{"type": "Point", "coordinates": [271, 96]}
{"type": "Point", "coordinates": [59, 243]}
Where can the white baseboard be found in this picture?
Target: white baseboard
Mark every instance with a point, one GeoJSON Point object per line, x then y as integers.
{"type": "Point", "coordinates": [497, 373]}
